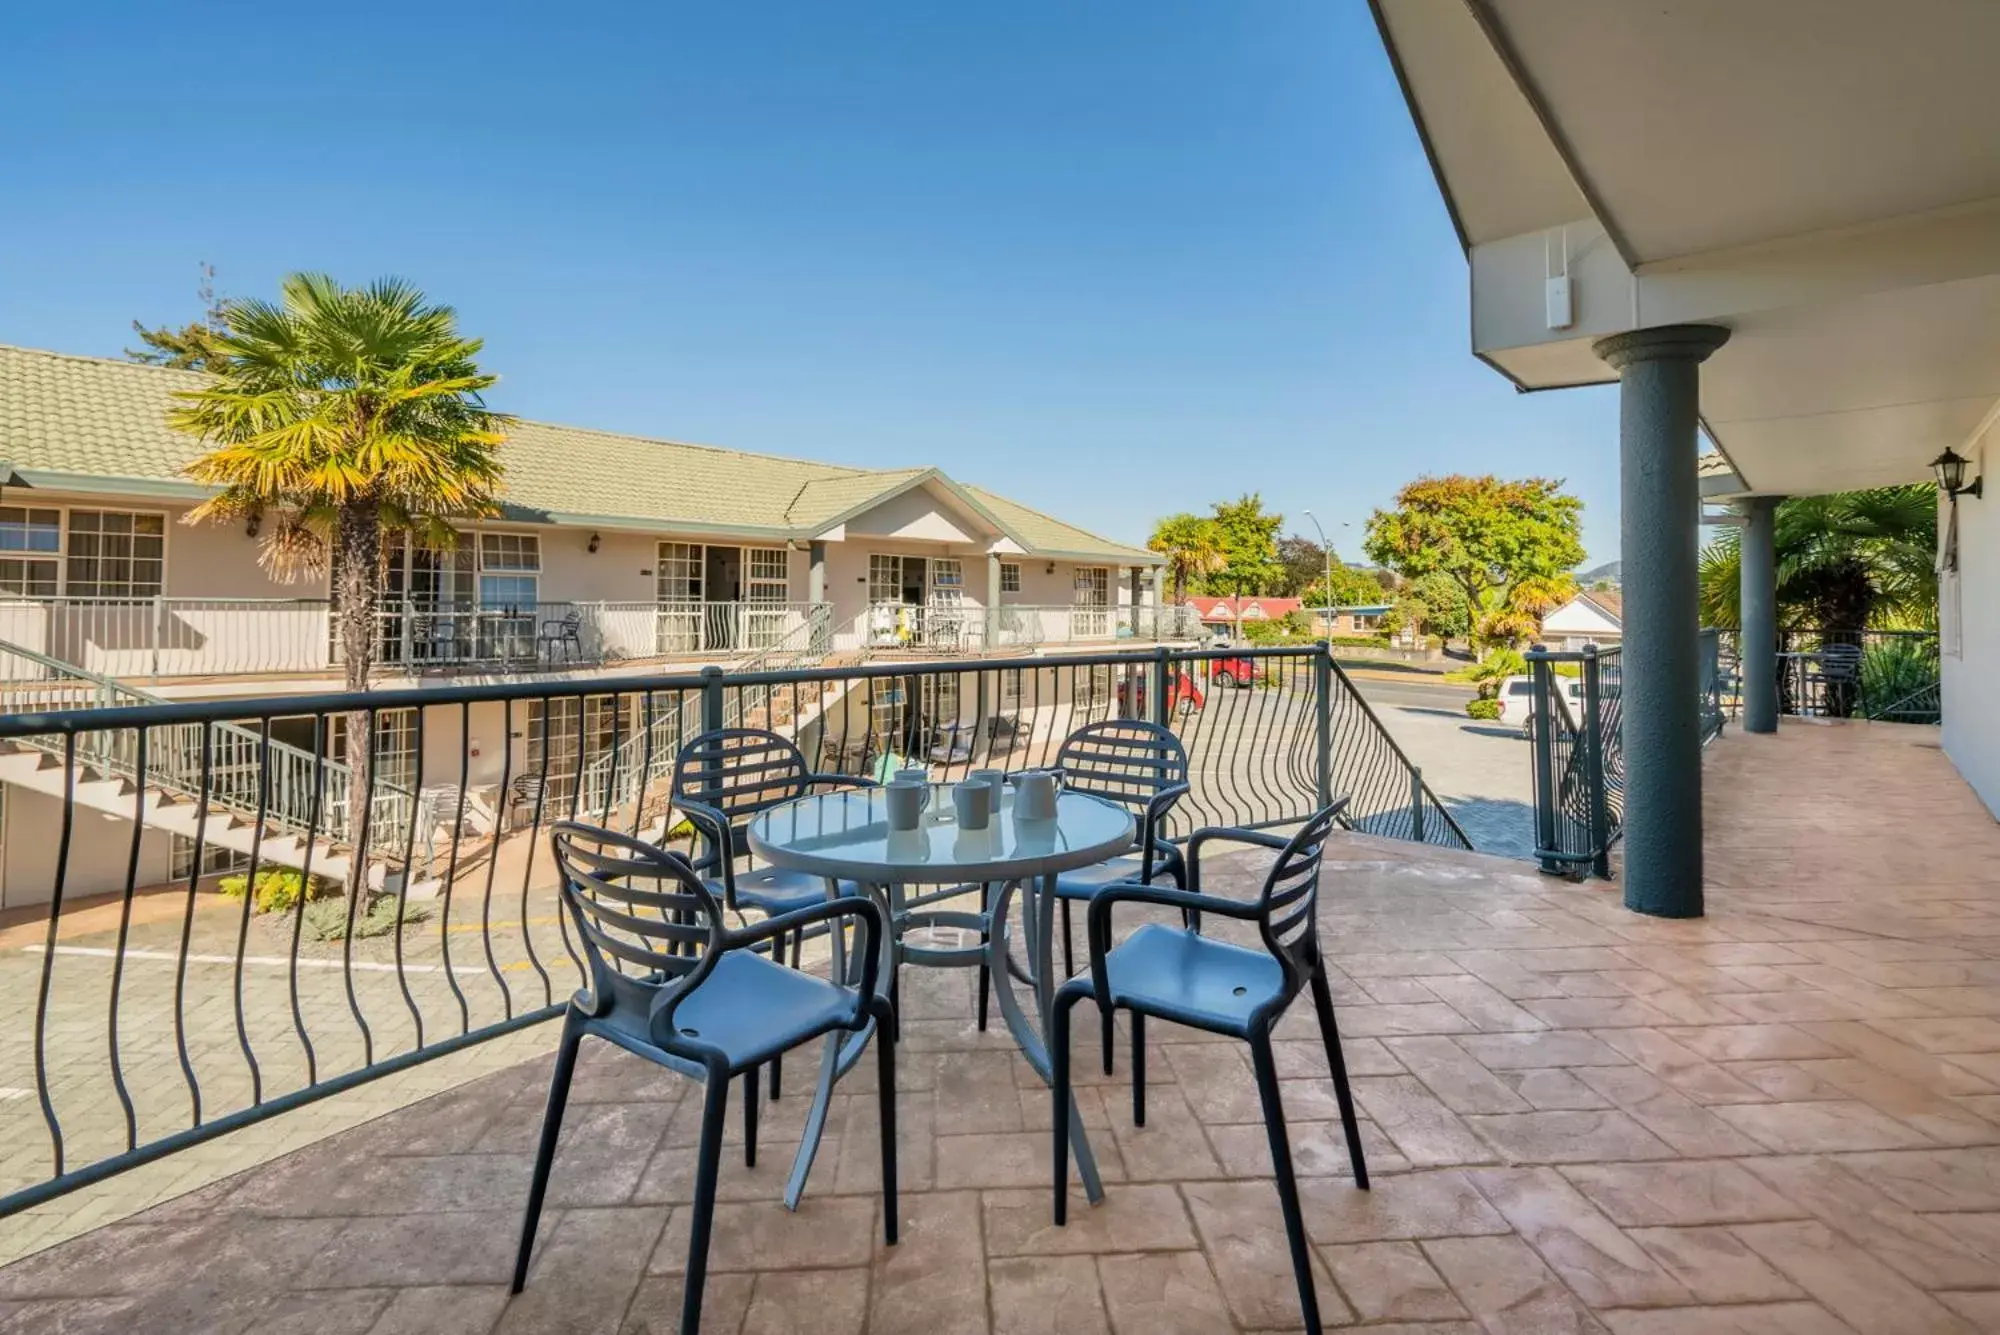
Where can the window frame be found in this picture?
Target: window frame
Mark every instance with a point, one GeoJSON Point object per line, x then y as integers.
{"type": "Point", "coordinates": [1010, 577]}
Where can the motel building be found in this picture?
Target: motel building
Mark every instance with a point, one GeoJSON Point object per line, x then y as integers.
{"type": "Point", "coordinates": [611, 557]}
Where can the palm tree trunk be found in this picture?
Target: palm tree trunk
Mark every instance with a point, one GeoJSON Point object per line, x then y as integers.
{"type": "Point", "coordinates": [358, 540]}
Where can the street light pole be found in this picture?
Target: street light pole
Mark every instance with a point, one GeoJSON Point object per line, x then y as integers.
{"type": "Point", "coordinates": [1326, 550]}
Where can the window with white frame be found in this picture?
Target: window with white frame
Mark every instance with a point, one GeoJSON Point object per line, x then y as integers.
{"type": "Point", "coordinates": [885, 578]}
{"type": "Point", "coordinates": [947, 581]}
{"type": "Point", "coordinates": [395, 753]}
{"type": "Point", "coordinates": [768, 574]}
{"type": "Point", "coordinates": [569, 737]}
{"type": "Point", "coordinates": [1092, 586]}
{"type": "Point", "coordinates": [215, 859]}
{"type": "Point", "coordinates": [509, 566]}
{"type": "Point", "coordinates": [1010, 577]}
{"type": "Point", "coordinates": [30, 551]}
{"type": "Point", "coordinates": [679, 573]}
{"type": "Point", "coordinates": [115, 554]}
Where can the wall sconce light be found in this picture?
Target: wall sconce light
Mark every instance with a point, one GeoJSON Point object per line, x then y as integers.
{"type": "Point", "coordinates": [251, 525]}
{"type": "Point", "coordinates": [592, 548]}
{"type": "Point", "coordinates": [1052, 568]}
{"type": "Point", "coordinates": [1950, 470]}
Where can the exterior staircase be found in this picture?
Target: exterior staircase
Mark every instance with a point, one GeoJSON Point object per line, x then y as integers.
{"type": "Point", "coordinates": [639, 769]}
{"type": "Point", "coordinates": [297, 800]}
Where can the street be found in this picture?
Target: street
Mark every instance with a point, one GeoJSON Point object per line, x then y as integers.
{"type": "Point", "coordinates": [1479, 770]}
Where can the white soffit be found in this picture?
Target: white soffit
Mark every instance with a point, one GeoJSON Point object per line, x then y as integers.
{"type": "Point", "coordinates": [1504, 176]}
{"type": "Point", "coordinates": [1696, 125]}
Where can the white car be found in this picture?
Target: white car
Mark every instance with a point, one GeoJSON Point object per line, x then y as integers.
{"type": "Point", "coordinates": [1517, 701]}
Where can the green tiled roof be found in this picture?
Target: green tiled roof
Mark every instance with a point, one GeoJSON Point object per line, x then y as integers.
{"type": "Point", "coordinates": [86, 423]}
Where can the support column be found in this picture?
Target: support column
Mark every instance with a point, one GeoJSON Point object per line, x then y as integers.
{"type": "Point", "coordinates": [1758, 638]}
{"type": "Point", "coordinates": [1660, 666]}
{"type": "Point", "coordinates": [816, 572]}
{"type": "Point", "coordinates": [1141, 627]}
{"type": "Point", "coordinates": [991, 639]}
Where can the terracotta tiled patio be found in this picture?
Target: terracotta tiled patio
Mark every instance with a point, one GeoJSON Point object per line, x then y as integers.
{"type": "Point", "coordinates": [1783, 1118]}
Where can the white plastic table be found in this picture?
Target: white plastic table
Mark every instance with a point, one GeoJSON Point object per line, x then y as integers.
{"type": "Point", "coordinates": [845, 836]}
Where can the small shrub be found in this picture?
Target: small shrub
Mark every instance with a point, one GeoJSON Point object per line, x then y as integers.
{"type": "Point", "coordinates": [277, 888]}
{"type": "Point", "coordinates": [1483, 708]}
{"type": "Point", "coordinates": [1361, 641]}
{"type": "Point", "coordinates": [326, 919]}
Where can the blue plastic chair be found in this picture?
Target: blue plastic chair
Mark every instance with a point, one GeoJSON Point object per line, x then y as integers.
{"type": "Point", "coordinates": [670, 983]}
{"type": "Point", "coordinates": [1183, 977]}
{"type": "Point", "coordinates": [723, 778]}
{"type": "Point", "coordinates": [1143, 767]}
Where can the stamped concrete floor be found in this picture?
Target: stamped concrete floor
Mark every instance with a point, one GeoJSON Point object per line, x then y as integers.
{"type": "Point", "coordinates": [1783, 1118]}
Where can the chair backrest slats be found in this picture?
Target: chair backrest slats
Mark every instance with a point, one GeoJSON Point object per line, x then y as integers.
{"type": "Point", "coordinates": [739, 771]}
{"type": "Point", "coordinates": [634, 904]}
{"type": "Point", "coordinates": [1127, 761]}
{"type": "Point", "coordinates": [1289, 906]}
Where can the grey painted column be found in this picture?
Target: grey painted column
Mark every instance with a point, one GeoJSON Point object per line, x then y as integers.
{"type": "Point", "coordinates": [1660, 682]}
{"type": "Point", "coordinates": [992, 635]}
{"type": "Point", "coordinates": [816, 572]}
{"type": "Point", "coordinates": [1759, 602]}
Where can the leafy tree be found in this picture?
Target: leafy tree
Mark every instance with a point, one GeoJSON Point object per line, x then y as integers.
{"type": "Point", "coordinates": [1431, 605]}
{"type": "Point", "coordinates": [1484, 533]}
{"type": "Point", "coordinates": [1193, 549]}
{"type": "Point", "coordinates": [1448, 614]}
{"type": "Point", "coordinates": [1305, 565]}
{"type": "Point", "coordinates": [1351, 588]}
{"type": "Point", "coordinates": [192, 346]}
{"type": "Point", "coordinates": [1845, 562]}
{"type": "Point", "coordinates": [339, 415]}
{"type": "Point", "coordinates": [1249, 539]}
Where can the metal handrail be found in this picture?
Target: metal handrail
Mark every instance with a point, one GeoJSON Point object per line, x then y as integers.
{"type": "Point", "coordinates": [484, 956]}
{"type": "Point", "coordinates": [235, 771]}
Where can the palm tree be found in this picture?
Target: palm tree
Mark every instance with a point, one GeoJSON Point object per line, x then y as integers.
{"type": "Point", "coordinates": [1193, 549]}
{"type": "Point", "coordinates": [1845, 562]}
{"type": "Point", "coordinates": [1523, 608]}
{"type": "Point", "coordinates": [336, 416]}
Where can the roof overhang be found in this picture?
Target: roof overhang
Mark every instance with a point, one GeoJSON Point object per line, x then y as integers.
{"type": "Point", "coordinates": [1817, 175]}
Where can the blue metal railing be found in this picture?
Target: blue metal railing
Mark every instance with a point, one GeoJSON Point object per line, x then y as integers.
{"type": "Point", "coordinates": [235, 1009]}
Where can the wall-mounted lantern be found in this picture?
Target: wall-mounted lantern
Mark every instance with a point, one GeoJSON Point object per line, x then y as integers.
{"type": "Point", "coordinates": [1950, 470]}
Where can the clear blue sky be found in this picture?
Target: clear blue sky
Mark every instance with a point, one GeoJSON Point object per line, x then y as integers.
{"type": "Point", "coordinates": [1115, 260]}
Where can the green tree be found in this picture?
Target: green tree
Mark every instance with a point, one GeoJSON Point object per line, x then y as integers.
{"type": "Point", "coordinates": [1351, 588]}
{"type": "Point", "coordinates": [1304, 562]}
{"type": "Point", "coordinates": [1193, 549]}
{"type": "Point", "coordinates": [339, 415]}
{"type": "Point", "coordinates": [1485, 534]}
{"type": "Point", "coordinates": [1249, 540]}
{"type": "Point", "coordinates": [1432, 605]}
{"type": "Point", "coordinates": [1845, 561]}
{"type": "Point", "coordinates": [192, 346]}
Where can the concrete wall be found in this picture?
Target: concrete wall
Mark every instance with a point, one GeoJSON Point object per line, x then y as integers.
{"type": "Point", "coordinates": [100, 844]}
{"type": "Point", "coordinates": [1969, 608]}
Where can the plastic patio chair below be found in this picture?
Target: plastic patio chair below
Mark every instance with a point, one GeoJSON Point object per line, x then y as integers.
{"type": "Point", "coordinates": [1181, 976]}
{"type": "Point", "coordinates": [669, 982]}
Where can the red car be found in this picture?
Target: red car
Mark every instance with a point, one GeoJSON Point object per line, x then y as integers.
{"type": "Point", "coordinates": [1227, 672]}
{"type": "Point", "coordinates": [1184, 696]}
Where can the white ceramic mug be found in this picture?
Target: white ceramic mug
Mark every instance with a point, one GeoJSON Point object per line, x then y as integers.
{"type": "Point", "coordinates": [906, 797]}
{"type": "Point", "coordinates": [972, 803]}
{"type": "Point", "coordinates": [996, 782]}
{"type": "Point", "coordinates": [1035, 798]}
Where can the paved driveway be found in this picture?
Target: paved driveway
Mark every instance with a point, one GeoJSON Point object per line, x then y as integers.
{"type": "Point", "coordinates": [1480, 770]}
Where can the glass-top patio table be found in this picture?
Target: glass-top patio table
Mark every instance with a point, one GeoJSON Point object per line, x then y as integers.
{"type": "Point", "coordinates": [845, 836]}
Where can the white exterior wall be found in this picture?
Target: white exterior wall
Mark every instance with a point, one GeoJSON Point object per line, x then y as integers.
{"type": "Point", "coordinates": [1969, 612]}
{"type": "Point", "coordinates": [100, 844]}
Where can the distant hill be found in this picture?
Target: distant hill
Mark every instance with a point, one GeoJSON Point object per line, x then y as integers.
{"type": "Point", "coordinates": [1609, 570]}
